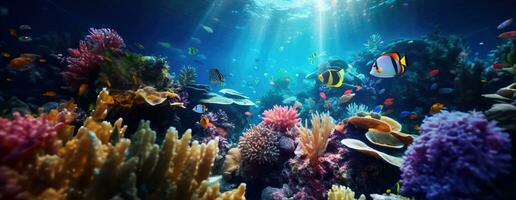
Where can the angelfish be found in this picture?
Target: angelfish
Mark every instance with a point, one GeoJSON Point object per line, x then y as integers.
{"type": "Point", "coordinates": [388, 65]}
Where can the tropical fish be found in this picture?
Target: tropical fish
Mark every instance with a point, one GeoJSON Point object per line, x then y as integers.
{"type": "Point", "coordinates": [389, 111]}
{"type": "Point", "coordinates": [49, 94]}
{"type": "Point", "coordinates": [504, 24]}
{"type": "Point", "coordinates": [199, 108]}
{"type": "Point", "coordinates": [388, 101]}
{"type": "Point", "coordinates": [498, 66]}
{"type": "Point", "coordinates": [348, 91]}
{"type": "Point", "coordinates": [193, 51]}
{"type": "Point", "coordinates": [388, 65]}
{"type": "Point", "coordinates": [413, 115]}
{"type": "Point", "coordinates": [507, 35]}
{"type": "Point", "coordinates": [296, 105]}
{"type": "Point", "coordinates": [25, 27]}
{"type": "Point", "coordinates": [204, 122]}
{"type": "Point", "coordinates": [6, 54]}
{"type": "Point", "coordinates": [434, 86]}
{"type": "Point", "coordinates": [207, 29]}
{"type": "Point", "coordinates": [215, 76]}
{"type": "Point", "coordinates": [378, 109]}
{"type": "Point", "coordinates": [313, 58]}
{"type": "Point", "coordinates": [323, 95]}
{"type": "Point", "coordinates": [381, 91]}
{"type": "Point", "coordinates": [247, 113]}
{"type": "Point", "coordinates": [358, 88]}
{"type": "Point", "coordinates": [433, 73]}
{"type": "Point", "coordinates": [332, 77]}
{"type": "Point", "coordinates": [83, 89]}
{"type": "Point", "coordinates": [346, 97]}
{"type": "Point", "coordinates": [436, 107]}
{"type": "Point", "coordinates": [42, 60]}
{"type": "Point", "coordinates": [25, 38]}
{"type": "Point", "coordinates": [22, 63]}
{"type": "Point", "coordinates": [445, 90]}
{"type": "Point", "coordinates": [404, 114]}
{"type": "Point", "coordinates": [13, 33]}
{"type": "Point", "coordinates": [165, 45]}
{"type": "Point", "coordinates": [139, 46]}
{"type": "Point", "coordinates": [289, 100]}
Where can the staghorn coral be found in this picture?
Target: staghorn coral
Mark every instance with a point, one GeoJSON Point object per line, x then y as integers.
{"type": "Point", "coordinates": [98, 163]}
{"type": "Point", "coordinates": [259, 145]}
{"type": "Point", "coordinates": [458, 155]}
{"type": "Point", "coordinates": [85, 60]}
{"type": "Point", "coordinates": [339, 192]}
{"type": "Point", "coordinates": [281, 118]}
{"type": "Point", "coordinates": [187, 75]}
{"type": "Point", "coordinates": [313, 143]}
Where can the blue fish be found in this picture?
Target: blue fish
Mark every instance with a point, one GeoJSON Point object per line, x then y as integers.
{"type": "Point", "coordinates": [434, 86]}
{"type": "Point", "coordinates": [199, 108]}
{"type": "Point", "coordinates": [378, 109]}
{"type": "Point", "coordinates": [381, 91]}
{"type": "Point", "coordinates": [445, 90]}
{"type": "Point", "coordinates": [404, 114]}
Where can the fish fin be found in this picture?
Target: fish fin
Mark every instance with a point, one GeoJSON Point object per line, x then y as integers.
{"type": "Point", "coordinates": [403, 63]}
{"type": "Point", "coordinates": [379, 69]}
{"type": "Point", "coordinates": [395, 55]}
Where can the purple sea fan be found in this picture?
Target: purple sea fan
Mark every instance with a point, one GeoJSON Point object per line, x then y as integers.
{"type": "Point", "coordinates": [24, 137]}
{"type": "Point", "coordinates": [458, 155]}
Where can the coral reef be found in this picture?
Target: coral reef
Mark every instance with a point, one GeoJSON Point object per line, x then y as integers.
{"type": "Point", "coordinates": [504, 111]}
{"type": "Point", "coordinates": [281, 118]}
{"type": "Point", "coordinates": [353, 109]}
{"type": "Point", "coordinates": [458, 155]}
{"type": "Point", "coordinates": [313, 143]}
{"type": "Point", "coordinates": [187, 75]}
{"type": "Point", "coordinates": [373, 43]}
{"type": "Point", "coordinates": [339, 192]}
{"type": "Point", "coordinates": [99, 163]}
{"type": "Point", "coordinates": [259, 145]}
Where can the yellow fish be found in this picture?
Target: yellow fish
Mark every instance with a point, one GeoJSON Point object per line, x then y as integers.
{"type": "Point", "coordinates": [436, 108]}
{"type": "Point", "coordinates": [332, 77]}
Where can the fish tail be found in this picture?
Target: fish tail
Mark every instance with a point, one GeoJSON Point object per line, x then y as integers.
{"type": "Point", "coordinates": [403, 63]}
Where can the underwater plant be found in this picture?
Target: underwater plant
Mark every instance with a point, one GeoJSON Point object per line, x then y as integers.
{"type": "Point", "coordinates": [339, 192]}
{"type": "Point", "coordinates": [353, 109]}
{"type": "Point", "coordinates": [86, 59]}
{"type": "Point", "coordinates": [313, 142]}
{"type": "Point", "coordinates": [458, 155]}
{"type": "Point", "coordinates": [187, 75]}
{"type": "Point", "coordinates": [281, 118]}
{"type": "Point", "coordinates": [373, 43]}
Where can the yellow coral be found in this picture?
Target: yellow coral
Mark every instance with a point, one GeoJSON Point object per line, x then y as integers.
{"type": "Point", "coordinates": [339, 192]}
{"type": "Point", "coordinates": [314, 142]}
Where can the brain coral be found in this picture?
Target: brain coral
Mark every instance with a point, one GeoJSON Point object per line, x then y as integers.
{"type": "Point", "coordinates": [259, 145]}
{"type": "Point", "coordinates": [281, 118]}
{"type": "Point", "coordinates": [458, 155]}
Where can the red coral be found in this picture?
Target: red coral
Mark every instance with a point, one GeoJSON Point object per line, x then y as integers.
{"type": "Point", "coordinates": [281, 118]}
{"type": "Point", "coordinates": [85, 60]}
{"type": "Point", "coordinates": [24, 137]}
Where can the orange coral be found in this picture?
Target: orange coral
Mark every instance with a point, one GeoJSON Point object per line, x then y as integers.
{"type": "Point", "coordinates": [314, 142]}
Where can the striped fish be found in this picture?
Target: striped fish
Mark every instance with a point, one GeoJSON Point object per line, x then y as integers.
{"type": "Point", "coordinates": [193, 51]}
{"type": "Point", "coordinates": [389, 65]}
{"type": "Point", "coordinates": [332, 77]}
{"type": "Point", "coordinates": [215, 76]}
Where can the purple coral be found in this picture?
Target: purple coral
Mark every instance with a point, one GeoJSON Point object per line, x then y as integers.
{"type": "Point", "coordinates": [83, 61]}
{"type": "Point", "coordinates": [458, 155]}
{"type": "Point", "coordinates": [24, 137]}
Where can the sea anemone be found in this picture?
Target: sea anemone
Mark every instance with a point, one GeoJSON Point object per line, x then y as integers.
{"type": "Point", "coordinates": [259, 145]}
{"type": "Point", "coordinates": [458, 155]}
{"type": "Point", "coordinates": [86, 59]}
{"type": "Point", "coordinates": [353, 109]}
{"type": "Point", "coordinates": [281, 118]}
{"type": "Point", "coordinates": [25, 137]}
{"type": "Point", "coordinates": [187, 75]}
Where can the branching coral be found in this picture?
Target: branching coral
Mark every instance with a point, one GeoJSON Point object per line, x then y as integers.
{"type": "Point", "coordinates": [339, 192]}
{"type": "Point", "coordinates": [187, 75]}
{"type": "Point", "coordinates": [314, 142]}
{"type": "Point", "coordinates": [259, 145]}
{"type": "Point", "coordinates": [98, 163]}
{"type": "Point", "coordinates": [86, 59]}
{"type": "Point", "coordinates": [281, 118]}
{"type": "Point", "coordinates": [458, 155]}
{"type": "Point", "coordinates": [373, 43]}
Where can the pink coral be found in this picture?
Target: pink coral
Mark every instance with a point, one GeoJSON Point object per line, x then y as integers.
{"type": "Point", "coordinates": [281, 118]}
{"type": "Point", "coordinates": [24, 137]}
{"type": "Point", "coordinates": [259, 145]}
{"type": "Point", "coordinates": [86, 59]}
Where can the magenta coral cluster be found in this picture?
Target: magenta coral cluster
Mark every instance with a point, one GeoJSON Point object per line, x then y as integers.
{"type": "Point", "coordinates": [281, 118]}
{"type": "Point", "coordinates": [87, 58]}
{"type": "Point", "coordinates": [458, 156]}
{"type": "Point", "coordinates": [24, 137]}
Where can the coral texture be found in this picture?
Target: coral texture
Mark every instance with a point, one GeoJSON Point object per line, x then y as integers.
{"type": "Point", "coordinates": [281, 118]}
{"type": "Point", "coordinates": [87, 58]}
{"type": "Point", "coordinates": [339, 192]}
{"type": "Point", "coordinates": [458, 155]}
{"type": "Point", "coordinates": [259, 145]}
{"type": "Point", "coordinates": [187, 75]}
{"type": "Point", "coordinates": [314, 142]}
